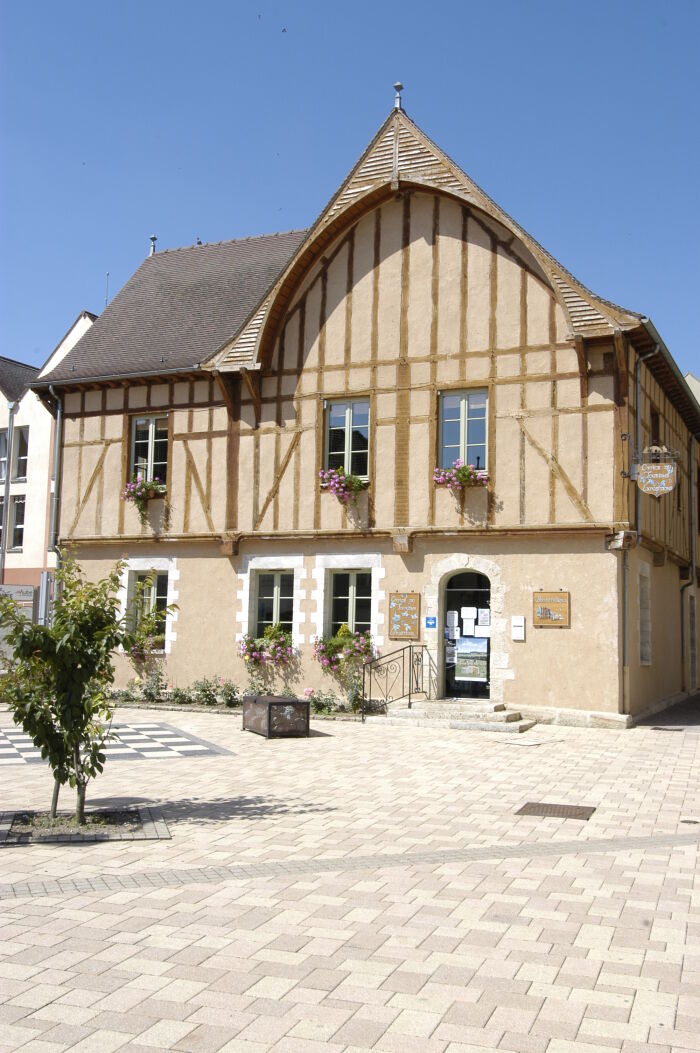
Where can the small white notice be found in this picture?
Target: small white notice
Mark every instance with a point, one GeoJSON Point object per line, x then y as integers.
{"type": "Point", "coordinates": [468, 627]}
{"type": "Point", "coordinates": [452, 618]}
{"type": "Point", "coordinates": [453, 632]}
{"type": "Point", "coordinates": [468, 612]}
{"type": "Point", "coordinates": [484, 616]}
{"type": "Point", "coordinates": [517, 627]}
{"type": "Point", "coordinates": [482, 630]}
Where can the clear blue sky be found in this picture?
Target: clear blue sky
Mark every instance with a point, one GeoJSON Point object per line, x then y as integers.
{"type": "Point", "coordinates": [220, 119]}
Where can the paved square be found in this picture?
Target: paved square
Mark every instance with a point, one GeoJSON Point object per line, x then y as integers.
{"type": "Point", "coordinates": [366, 888]}
{"type": "Point", "coordinates": [128, 742]}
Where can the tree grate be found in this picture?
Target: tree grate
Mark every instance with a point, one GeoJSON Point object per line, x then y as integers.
{"type": "Point", "coordinates": [557, 811]}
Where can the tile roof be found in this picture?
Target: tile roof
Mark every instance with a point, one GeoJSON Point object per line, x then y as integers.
{"type": "Point", "coordinates": [15, 378]}
{"type": "Point", "coordinates": [178, 308]}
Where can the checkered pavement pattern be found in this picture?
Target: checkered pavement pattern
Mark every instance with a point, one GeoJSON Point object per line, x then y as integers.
{"type": "Point", "coordinates": [128, 742]}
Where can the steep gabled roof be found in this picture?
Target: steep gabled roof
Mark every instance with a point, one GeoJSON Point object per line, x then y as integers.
{"type": "Point", "coordinates": [401, 155]}
{"type": "Point", "coordinates": [15, 378]}
{"type": "Point", "coordinates": [177, 309]}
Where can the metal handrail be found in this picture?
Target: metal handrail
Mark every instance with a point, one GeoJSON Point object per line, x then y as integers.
{"type": "Point", "coordinates": [405, 670]}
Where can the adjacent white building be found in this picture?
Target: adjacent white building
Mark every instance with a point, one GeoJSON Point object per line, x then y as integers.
{"type": "Point", "coordinates": [26, 464]}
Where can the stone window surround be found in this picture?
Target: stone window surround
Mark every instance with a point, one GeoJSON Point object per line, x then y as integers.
{"type": "Point", "coordinates": [246, 593]}
{"type": "Point", "coordinates": [162, 565]}
{"type": "Point", "coordinates": [325, 565]}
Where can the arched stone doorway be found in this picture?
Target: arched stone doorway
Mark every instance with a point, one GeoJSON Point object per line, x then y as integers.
{"type": "Point", "coordinates": [467, 648]}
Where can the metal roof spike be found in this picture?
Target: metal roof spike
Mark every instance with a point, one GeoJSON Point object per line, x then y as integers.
{"type": "Point", "coordinates": [153, 239]}
{"type": "Point", "coordinates": [398, 88]}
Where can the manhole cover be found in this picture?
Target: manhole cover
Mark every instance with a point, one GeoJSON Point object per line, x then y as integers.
{"type": "Point", "coordinates": [557, 811]}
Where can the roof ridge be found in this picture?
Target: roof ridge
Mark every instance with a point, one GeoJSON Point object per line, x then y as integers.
{"type": "Point", "coordinates": [228, 241]}
{"type": "Point", "coordinates": [16, 362]}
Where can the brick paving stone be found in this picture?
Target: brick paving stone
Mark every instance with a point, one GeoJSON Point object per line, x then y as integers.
{"type": "Point", "coordinates": [322, 895]}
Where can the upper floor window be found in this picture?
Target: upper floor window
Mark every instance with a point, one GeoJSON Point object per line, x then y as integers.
{"type": "Point", "coordinates": [149, 448]}
{"type": "Point", "coordinates": [20, 452]}
{"type": "Point", "coordinates": [347, 437]}
{"type": "Point", "coordinates": [3, 455]}
{"type": "Point", "coordinates": [351, 601]}
{"type": "Point", "coordinates": [655, 426]}
{"type": "Point", "coordinates": [275, 603]}
{"type": "Point", "coordinates": [463, 418]}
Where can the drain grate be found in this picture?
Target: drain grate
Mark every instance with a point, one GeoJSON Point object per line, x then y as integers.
{"type": "Point", "coordinates": [667, 729]}
{"type": "Point", "coordinates": [556, 811]}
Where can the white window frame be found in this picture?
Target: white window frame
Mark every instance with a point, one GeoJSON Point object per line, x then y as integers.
{"type": "Point", "coordinates": [17, 499]}
{"type": "Point", "coordinates": [144, 565]}
{"type": "Point", "coordinates": [22, 429]}
{"type": "Point", "coordinates": [3, 454]}
{"type": "Point", "coordinates": [151, 591]}
{"type": "Point", "coordinates": [276, 593]}
{"type": "Point", "coordinates": [352, 597]}
{"type": "Point", "coordinates": [644, 603]}
{"type": "Point", "coordinates": [246, 594]}
{"type": "Point", "coordinates": [464, 395]}
{"type": "Point", "coordinates": [347, 455]}
{"type": "Point", "coordinates": [151, 418]}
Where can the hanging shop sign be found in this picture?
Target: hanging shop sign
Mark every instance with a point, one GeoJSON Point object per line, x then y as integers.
{"type": "Point", "coordinates": [657, 479]}
{"type": "Point", "coordinates": [404, 616]}
{"type": "Point", "coordinates": [551, 610]}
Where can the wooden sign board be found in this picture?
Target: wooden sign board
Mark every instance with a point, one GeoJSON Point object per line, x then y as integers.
{"type": "Point", "coordinates": [404, 616]}
{"type": "Point", "coordinates": [657, 479]}
{"type": "Point", "coordinates": [551, 610]}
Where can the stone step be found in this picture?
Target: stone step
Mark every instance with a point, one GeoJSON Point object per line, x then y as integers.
{"type": "Point", "coordinates": [516, 726]}
{"type": "Point", "coordinates": [436, 711]}
{"type": "Point", "coordinates": [478, 705]}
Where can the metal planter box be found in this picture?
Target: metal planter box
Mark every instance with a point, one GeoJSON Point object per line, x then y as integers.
{"type": "Point", "coordinates": [276, 717]}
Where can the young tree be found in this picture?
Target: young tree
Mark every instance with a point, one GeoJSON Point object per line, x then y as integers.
{"type": "Point", "coordinates": [57, 682]}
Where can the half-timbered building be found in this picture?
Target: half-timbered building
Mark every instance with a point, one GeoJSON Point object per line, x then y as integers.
{"type": "Point", "coordinates": [413, 325]}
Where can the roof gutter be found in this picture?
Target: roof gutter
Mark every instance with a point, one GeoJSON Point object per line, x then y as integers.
{"type": "Point", "coordinates": [48, 384]}
{"type": "Point", "coordinates": [661, 347]}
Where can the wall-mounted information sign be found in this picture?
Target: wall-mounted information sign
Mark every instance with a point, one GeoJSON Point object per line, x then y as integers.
{"type": "Point", "coordinates": [657, 479]}
{"type": "Point", "coordinates": [404, 616]}
{"type": "Point", "coordinates": [551, 610]}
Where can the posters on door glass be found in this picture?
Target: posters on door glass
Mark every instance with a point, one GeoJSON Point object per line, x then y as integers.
{"type": "Point", "coordinates": [471, 659]}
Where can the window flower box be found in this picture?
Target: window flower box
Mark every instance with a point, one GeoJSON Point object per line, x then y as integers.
{"type": "Point", "coordinates": [344, 485]}
{"type": "Point", "coordinates": [460, 477]}
{"type": "Point", "coordinates": [140, 491]}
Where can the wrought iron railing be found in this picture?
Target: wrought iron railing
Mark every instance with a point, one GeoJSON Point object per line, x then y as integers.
{"type": "Point", "coordinates": [404, 673]}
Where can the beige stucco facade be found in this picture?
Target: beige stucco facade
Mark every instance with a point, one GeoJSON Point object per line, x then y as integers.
{"type": "Point", "coordinates": [418, 292]}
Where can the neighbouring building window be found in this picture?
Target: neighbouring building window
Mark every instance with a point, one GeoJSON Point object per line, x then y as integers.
{"type": "Point", "coordinates": [21, 453]}
{"type": "Point", "coordinates": [347, 436]}
{"type": "Point", "coordinates": [351, 600]}
{"type": "Point", "coordinates": [17, 522]}
{"type": "Point", "coordinates": [149, 448]}
{"type": "Point", "coordinates": [3, 455]}
{"type": "Point", "coordinates": [697, 525]}
{"type": "Point", "coordinates": [2, 515]}
{"type": "Point", "coordinates": [463, 419]}
{"type": "Point", "coordinates": [275, 600]}
{"type": "Point", "coordinates": [644, 615]}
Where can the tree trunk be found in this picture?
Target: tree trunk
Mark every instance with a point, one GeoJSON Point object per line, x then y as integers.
{"type": "Point", "coordinates": [80, 787]}
{"type": "Point", "coordinates": [54, 798]}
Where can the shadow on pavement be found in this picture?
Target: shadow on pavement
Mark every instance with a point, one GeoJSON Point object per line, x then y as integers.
{"type": "Point", "coordinates": [684, 716]}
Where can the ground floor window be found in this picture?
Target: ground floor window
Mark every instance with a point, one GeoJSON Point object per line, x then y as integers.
{"type": "Point", "coordinates": [644, 615]}
{"type": "Point", "coordinates": [351, 600]}
{"type": "Point", "coordinates": [17, 522]}
{"type": "Point", "coordinates": [275, 600]}
{"type": "Point", "coordinates": [150, 590]}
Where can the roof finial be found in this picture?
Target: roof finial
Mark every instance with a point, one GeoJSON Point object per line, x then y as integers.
{"type": "Point", "coordinates": [398, 88]}
{"type": "Point", "coordinates": [153, 239]}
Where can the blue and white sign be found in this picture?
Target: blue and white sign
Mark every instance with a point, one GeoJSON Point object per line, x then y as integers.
{"type": "Point", "coordinates": [431, 622]}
